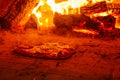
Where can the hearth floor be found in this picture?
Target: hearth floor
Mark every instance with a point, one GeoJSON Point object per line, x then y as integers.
{"type": "Point", "coordinates": [95, 59]}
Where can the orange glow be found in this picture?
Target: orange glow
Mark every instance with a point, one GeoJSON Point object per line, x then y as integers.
{"type": "Point", "coordinates": [108, 1]}
{"type": "Point", "coordinates": [45, 10]}
{"type": "Point", "coordinates": [44, 14]}
{"type": "Point", "coordinates": [86, 31]}
{"type": "Point", "coordinates": [117, 25]}
{"type": "Point", "coordinates": [102, 14]}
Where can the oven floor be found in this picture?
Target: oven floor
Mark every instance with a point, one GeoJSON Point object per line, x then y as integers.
{"type": "Point", "coordinates": [95, 59]}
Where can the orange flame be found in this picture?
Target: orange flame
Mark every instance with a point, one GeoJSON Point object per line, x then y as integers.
{"type": "Point", "coordinates": [102, 13]}
{"type": "Point", "coordinates": [117, 25]}
{"type": "Point", "coordinates": [45, 17]}
{"type": "Point", "coordinates": [45, 10]}
{"type": "Point", "coordinates": [86, 31]}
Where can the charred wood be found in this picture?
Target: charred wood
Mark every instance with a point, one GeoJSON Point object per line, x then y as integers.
{"type": "Point", "coordinates": [107, 21]}
{"type": "Point", "coordinates": [80, 21]}
{"type": "Point", "coordinates": [63, 24]}
{"type": "Point", "coordinates": [101, 7]}
{"type": "Point", "coordinates": [104, 25]}
{"type": "Point", "coordinates": [88, 23]}
{"type": "Point", "coordinates": [94, 8]}
{"type": "Point", "coordinates": [15, 11]}
{"type": "Point", "coordinates": [114, 7]}
{"type": "Point", "coordinates": [63, 21]}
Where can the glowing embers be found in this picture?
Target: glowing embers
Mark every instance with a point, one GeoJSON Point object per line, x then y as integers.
{"type": "Point", "coordinates": [46, 50]}
{"type": "Point", "coordinates": [86, 31]}
{"type": "Point", "coordinates": [117, 25]}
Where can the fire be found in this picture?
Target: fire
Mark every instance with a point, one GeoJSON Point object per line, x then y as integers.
{"type": "Point", "coordinates": [108, 1]}
{"type": "Point", "coordinates": [117, 25]}
{"type": "Point", "coordinates": [86, 31]}
{"type": "Point", "coordinates": [45, 10]}
{"type": "Point", "coordinates": [102, 14]}
{"type": "Point", "coordinates": [44, 14]}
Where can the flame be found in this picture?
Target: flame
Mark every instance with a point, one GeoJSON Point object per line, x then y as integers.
{"type": "Point", "coordinates": [64, 8]}
{"type": "Point", "coordinates": [45, 10]}
{"type": "Point", "coordinates": [86, 31]}
{"type": "Point", "coordinates": [108, 1]}
{"type": "Point", "coordinates": [117, 25]}
{"type": "Point", "coordinates": [102, 13]}
{"type": "Point", "coordinates": [41, 11]}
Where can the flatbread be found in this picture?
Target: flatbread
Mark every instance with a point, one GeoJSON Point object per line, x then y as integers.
{"type": "Point", "coordinates": [46, 50]}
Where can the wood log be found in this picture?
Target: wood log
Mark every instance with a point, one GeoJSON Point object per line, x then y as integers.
{"type": "Point", "coordinates": [94, 8]}
{"type": "Point", "coordinates": [63, 21]}
{"type": "Point", "coordinates": [15, 12]}
{"type": "Point", "coordinates": [4, 5]}
{"type": "Point", "coordinates": [108, 22]}
{"type": "Point", "coordinates": [101, 7]}
{"type": "Point", "coordinates": [114, 7]}
{"type": "Point", "coordinates": [70, 21]}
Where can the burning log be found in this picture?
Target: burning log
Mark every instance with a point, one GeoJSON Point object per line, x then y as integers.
{"type": "Point", "coordinates": [16, 12]}
{"type": "Point", "coordinates": [115, 8]}
{"type": "Point", "coordinates": [100, 25]}
{"type": "Point", "coordinates": [70, 22]}
{"type": "Point", "coordinates": [101, 7]}
{"type": "Point", "coordinates": [94, 8]}
{"type": "Point", "coordinates": [88, 23]}
{"type": "Point", "coordinates": [63, 21]}
{"type": "Point", "coordinates": [108, 22]}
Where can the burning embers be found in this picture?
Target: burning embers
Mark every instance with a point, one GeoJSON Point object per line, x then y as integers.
{"type": "Point", "coordinates": [86, 16]}
{"type": "Point", "coordinates": [85, 24]}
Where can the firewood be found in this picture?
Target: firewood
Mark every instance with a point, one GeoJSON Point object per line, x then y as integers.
{"type": "Point", "coordinates": [63, 21]}
{"type": "Point", "coordinates": [71, 21]}
{"type": "Point", "coordinates": [16, 11]}
{"type": "Point", "coordinates": [94, 8]}
{"type": "Point", "coordinates": [107, 21]}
